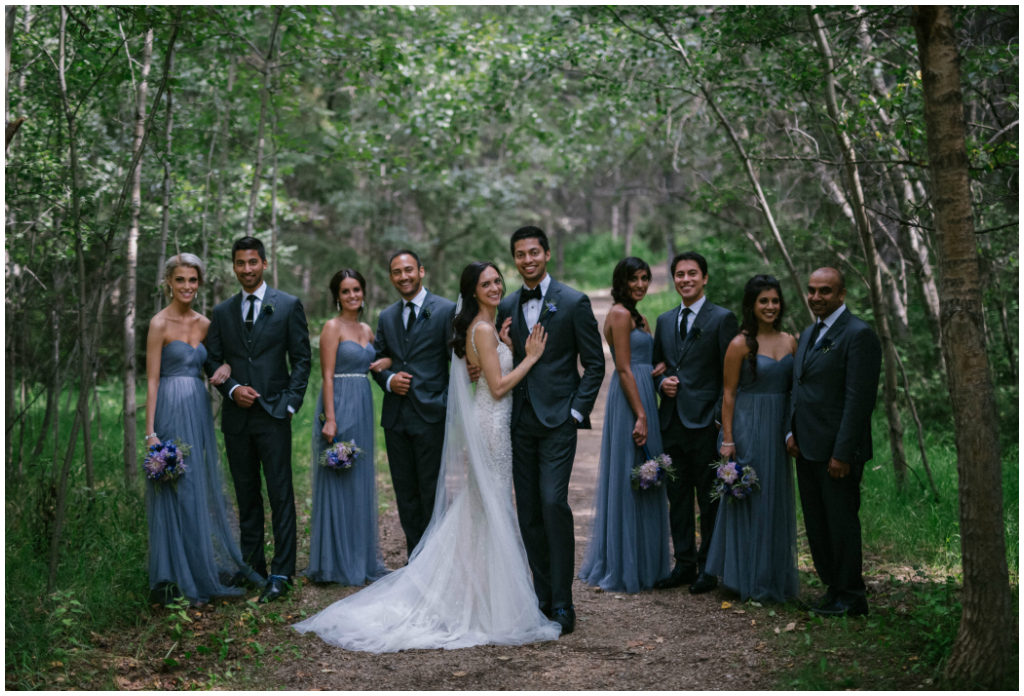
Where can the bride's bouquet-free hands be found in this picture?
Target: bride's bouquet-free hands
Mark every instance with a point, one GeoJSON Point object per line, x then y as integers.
{"type": "Point", "coordinates": [340, 455]}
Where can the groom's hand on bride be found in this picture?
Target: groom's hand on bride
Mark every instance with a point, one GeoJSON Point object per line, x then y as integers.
{"type": "Point", "coordinates": [474, 372]}
{"type": "Point", "coordinates": [504, 334]}
{"type": "Point", "coordinates": [245, 396]}
{"type": "Point", "coordinates": [400, 383]}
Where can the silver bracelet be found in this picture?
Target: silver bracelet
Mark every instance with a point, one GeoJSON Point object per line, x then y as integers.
{"type": "Point", "coordinates": [728, 444]}
{"type": "Point", "coordinates": [152, 435]}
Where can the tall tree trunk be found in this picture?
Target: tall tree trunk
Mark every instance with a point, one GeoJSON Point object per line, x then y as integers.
{"type": "Point", "coordinates": [1004, 321]}
{"type": "Point", "coordinates": [891, 388]}
{"type": "Point", "coordinates": [131, 291]}
{"type": "Point", "coordinates": [630, 225]}
{"type": "Point", "coordinates": [257, 170]}
{"type": "Point", "coordinates": [165, 221]}
{"type": "Point", "coordinates": [273, 198]}
{"type": "Point", "coordinates": [981, 654]}
{"type": "Point", "coordinates": [748, 166]}
{"type": "Point", "coordinates": [222, 181]}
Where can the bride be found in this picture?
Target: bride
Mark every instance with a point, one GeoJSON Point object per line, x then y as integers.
{"type": "Point", "coordinates": [467, 582]}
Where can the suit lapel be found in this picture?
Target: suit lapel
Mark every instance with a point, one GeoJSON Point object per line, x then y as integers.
{"type": "Point", "coordinates": [801, 351]}
{"type": "Point", "coordinates": [397, 345]}
{"type": "Point", "coordinates": [677, 340]}
{"type": "Point", "coordinates": [698, 324]}
{"type": "Point", "coordinates": [830, 335]}
{"type": "Point", "coordinates": [269, 298]}
{"type": "Point", "coordinates": [551, 298]}
{"type": "Point", "coordinates": [236, 318]}
{"type": "Point", "coordinates": [518, 323]}
{"type": "Point", "coordinates": [426, 309]}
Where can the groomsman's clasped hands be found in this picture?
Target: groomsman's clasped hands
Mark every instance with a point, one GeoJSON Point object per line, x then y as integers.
{"type": "Point", "coordinates": [701, 388]}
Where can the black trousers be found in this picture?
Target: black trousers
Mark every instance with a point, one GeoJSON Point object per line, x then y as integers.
{"type": "Point", "coordinates": [831, 516]}
{"type": "Point", "coordinates": [414, 457]}
{"type": "Point", "coordinates": [542, 461]}
{"type": "Point", "coordinates": [692, 450]}
{"type": "Point", "coordinates": [265, 441]}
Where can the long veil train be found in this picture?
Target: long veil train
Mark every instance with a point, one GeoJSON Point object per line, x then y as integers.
{"type": "Point", "coordinates": [468, 581]}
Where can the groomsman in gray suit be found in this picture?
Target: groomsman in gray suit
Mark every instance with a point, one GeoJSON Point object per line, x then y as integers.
{"type": "Point", "coordinates": [835, 385]}
{"type": "Point", "coordinates": [259, 332]}
{"type": "Point", "coordinates": [414, 333]}
{"type": "Point", "coordinates": [691, 340]}
{"type": "Point", "coordinates": [548, 407]}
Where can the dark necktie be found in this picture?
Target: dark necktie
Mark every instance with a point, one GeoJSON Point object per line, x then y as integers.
{"type": "Point", "coordinates": [412, 316]}
{"type": "Point", "coordinates": [526, 295]}
{"type": "Point", "coordinates": [815, 332]}
{"type": "Point", "coordinates": [251, 315]}
{"type": "Point", "coordinates": [684, 323]}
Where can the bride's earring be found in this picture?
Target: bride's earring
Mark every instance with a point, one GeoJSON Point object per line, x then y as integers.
{"type": "Point", "coordinates": [338, 305]}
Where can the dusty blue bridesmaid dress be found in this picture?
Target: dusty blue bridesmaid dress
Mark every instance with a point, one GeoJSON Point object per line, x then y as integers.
{"type": "Point", "coordinates": [343, 546]}
{"type": "Point", "coordinates": [629, 540]}
{"type": "Point", "coordinates": [753, 548]}
{"type": "Point", "coordinates": [193, 533]}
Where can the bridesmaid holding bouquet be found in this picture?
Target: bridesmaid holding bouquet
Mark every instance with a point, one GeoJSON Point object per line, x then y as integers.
{"type": "Point", "coordinates": [343, 546]}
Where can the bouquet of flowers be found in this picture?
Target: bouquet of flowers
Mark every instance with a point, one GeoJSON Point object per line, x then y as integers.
{"type": "Point", "coordinates": [340, 455]}
{"type": "Point", "coordinates": [652, 472]}
{"type": "Point", "coordinates": [734, 482]}
{"type": "Point", "coordinates": [165, 461]}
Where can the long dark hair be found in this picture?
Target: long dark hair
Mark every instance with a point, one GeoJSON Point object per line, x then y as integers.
{"type": "Point", "coordinates": [470, 307]}
{"type": "Point", "coordinates": [624, 270]}
{"type": "Point", "coordinates": [754, 287]}
{"type": "Point", "coordinates": [336, 286]}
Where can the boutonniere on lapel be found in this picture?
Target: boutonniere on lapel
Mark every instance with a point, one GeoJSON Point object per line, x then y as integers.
{"type": "Point", "coordinates": [426, 312]}
{"type": "Point", "coordinates": [827, 345]}
{"type": "Point", "coordinates": [552, 307]}
{"type": "Point", "coordinates": [696, 333]}
{"type": "Point", "coordinates": [268, 309]}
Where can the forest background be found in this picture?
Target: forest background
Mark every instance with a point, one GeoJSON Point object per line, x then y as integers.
{"type": "Point", "coordinates": [772, 140]}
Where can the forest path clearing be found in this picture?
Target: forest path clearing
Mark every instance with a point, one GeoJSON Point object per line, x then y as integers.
{"type": "Point", "coordinates": [651, 640]}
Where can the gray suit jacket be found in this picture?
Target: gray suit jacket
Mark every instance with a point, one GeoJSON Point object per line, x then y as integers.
{"type": "Point", "coordinates": [834, 391]}
{"type": "Point", "coordinates": [554, 384]}
{"type": "Point", "coordinates": [697, 361]}
{"type": "Point", "coordinates": [280, 336]}
{"type": "Point", "coordinates": [423, 353]}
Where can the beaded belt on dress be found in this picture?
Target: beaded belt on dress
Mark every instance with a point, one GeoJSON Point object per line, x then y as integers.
{"type": "Point", "coordinates": [351, 374]}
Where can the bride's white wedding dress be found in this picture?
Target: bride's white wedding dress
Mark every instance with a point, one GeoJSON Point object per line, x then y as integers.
{"type": "Point", "coordinates": [468, 581]}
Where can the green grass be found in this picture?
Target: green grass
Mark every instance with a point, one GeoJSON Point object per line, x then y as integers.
{"type": "Point", "coordinates": [590, 260]}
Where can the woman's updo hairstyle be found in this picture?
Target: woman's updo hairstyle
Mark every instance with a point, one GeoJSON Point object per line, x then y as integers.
{"type": "Point", "coordinates": [336, 286]}
{"type": "Point", "coordinates": [182, 261]}
{"type": "Point", "coordinates": [470, 306]}
{"type": "Point", "coordinates": [625, 270]}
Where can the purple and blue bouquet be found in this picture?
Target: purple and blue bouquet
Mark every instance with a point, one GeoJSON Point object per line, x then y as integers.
{"type": "Point", "coordinates": [734, 482]}
{"type": "Point", "coordinates": [652, 472]}
{"type": "Point", "coordinates": [165, 462]}
{"type": "Point", "coordinates": [340, 455]}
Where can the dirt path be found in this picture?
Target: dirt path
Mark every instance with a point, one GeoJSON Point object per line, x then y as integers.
{"type": "Point", "coordinates": [662, 640]}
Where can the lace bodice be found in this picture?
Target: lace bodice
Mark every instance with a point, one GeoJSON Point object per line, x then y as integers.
{"type": "Point", "coordinates": [495, 417]}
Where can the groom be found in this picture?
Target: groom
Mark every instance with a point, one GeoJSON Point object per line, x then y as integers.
{"type": "Point", "coordinates": [549, 404]}
{"type": "Point", "coordinates": [259, 332]}
{"type": "Point", "coordinates": [414, 333]}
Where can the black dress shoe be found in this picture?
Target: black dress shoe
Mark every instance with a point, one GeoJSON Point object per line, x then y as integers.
{"type": "Point", "coordinates": [545, 609]}
{"type": "Point", "coordinates": [240, 579]}
{"type": "Point", "coordinates": [166, 593]}
{"type": "Point", "coordinates": [681, 575]}
{"type": "Point", "coordinates": [704, 583]}
{"type": "Point", "coordinates": [826, 599]}
{"type": "Point", "coordinates": [277, 586]}
{"type": "Point", "coordinates": [853, 606]}
{"type": "Point", "coordinates": [566, 618]}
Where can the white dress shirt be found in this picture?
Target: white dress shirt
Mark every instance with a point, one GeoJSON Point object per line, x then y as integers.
{"type": "Point", "coordinates": [694, 309]}
{"type": "Point", "coordinates": [828, 322]}
{"type": "Point", "coordinates": [531, 313]}
{"type": "Point", "coordinates": [258, 293]}
{"type": "Point", "coordinates": [417, 305]}
{"type": "Point", "coordinates": [532, 309]}
{"type": "Point", "coordinates": [258, 302]}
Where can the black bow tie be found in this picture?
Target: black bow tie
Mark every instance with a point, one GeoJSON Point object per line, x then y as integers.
{"type": "Point", "coordinates": [526, 295]}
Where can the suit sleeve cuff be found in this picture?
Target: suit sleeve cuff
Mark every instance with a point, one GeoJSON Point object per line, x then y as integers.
{"type": "Point", "coordinates": [387, 385]}
{"type": "Point", "coordinates": [232, 391]}
{"type": "Point", "coordinates": [291, 410]}
{"type": "Point", "coordinates": [576, 415]}
{"type": "Point", "coordinates": [789, 435]}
